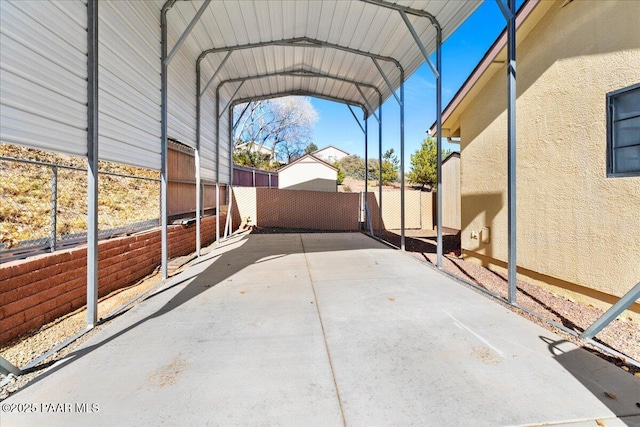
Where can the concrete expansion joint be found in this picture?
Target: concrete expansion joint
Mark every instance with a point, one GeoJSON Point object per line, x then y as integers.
{"type": "Point", "coordinates": [324, 335]}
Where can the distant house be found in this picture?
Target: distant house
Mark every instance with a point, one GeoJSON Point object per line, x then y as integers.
{"type": "Point", "coordinates": [254, 147]}
{"type": "Point", "coordinates": [308, 173]}
{"type": "Point", "coordinates": [578, 150]}
{"type": "Point", "coordinates": [330, 154]}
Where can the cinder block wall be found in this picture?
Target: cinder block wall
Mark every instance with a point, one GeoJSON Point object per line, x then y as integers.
{"type": "Point", "coordinates": [39, 289]}
{"type": "Point", "coordinates": [318, 210]}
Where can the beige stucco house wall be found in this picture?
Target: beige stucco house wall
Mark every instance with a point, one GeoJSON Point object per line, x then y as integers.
{"type": "Point", "coordinates": [451, 192]}
{"type": "Point", "coordinates": [308, 173]}
{"type": "Point", "coordinates": [578, 231]}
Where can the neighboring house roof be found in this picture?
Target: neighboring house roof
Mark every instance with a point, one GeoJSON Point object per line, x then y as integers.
{"type": "Point", "coordinates": [330, 146]}
{"type": "Point", "coordinates": [530, 13]}
{"type": "Point", "coordinates": [259, 147]}
{"type": "Point", "coordinates": [308, 156]}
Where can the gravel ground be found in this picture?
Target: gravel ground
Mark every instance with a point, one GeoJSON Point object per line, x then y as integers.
{"type": "Point", "coordinates": [622, 335]}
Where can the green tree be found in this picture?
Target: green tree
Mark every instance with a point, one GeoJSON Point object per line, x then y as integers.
{"type": "Point", "coordinates": [390, 166]}
{"type": "Point", "coordinates": [341, 174]}
{"type": "Point", "coordinates": [253, 159]}
{"type": "Point", "coordinates": [423, 164]}
{"type": "Point", "coordinates": [353, 166]}
{"type": "Point", "coordinates": [311, 148]}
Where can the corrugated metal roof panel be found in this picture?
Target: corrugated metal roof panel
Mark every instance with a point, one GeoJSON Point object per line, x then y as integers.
{"type": "Point", "coordinates": [44, 85]}
{"type": "Point", "coordinates": [129, 84]}
{"type": "Point", "coordinates": [357, 25]}
{"type": "Point", "coordinates": [43, 92]}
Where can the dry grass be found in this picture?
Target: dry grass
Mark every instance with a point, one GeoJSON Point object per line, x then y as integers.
{"type": "Point", "coordinates": [25, 189]}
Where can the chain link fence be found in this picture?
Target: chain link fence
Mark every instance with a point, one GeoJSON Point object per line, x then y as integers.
{"type": "Point", "coordinates": [44, 203]}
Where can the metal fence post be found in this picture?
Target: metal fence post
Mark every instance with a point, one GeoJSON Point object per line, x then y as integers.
{"type": "Point", "coordinates": [54, 206]}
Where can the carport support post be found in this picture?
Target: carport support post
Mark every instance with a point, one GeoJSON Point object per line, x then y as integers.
{"type": "Point", "coordinates": [92, 160]}
{"type": "Point", "coordinates": [231, 147]}
{"type": "Point", "coordinates": [439, 244]}
{"type": "Point", "coordinates": [380, 167]}
{"type": "Point", "coordinates": [366, 171]}
{"type": "Point", "coordinates": [163, 143]}
{"type": "Point", "coordinates": [217, 119]}
{"type": "Point", "coordinates": [511, 119]}
{"type": "Point", "coordinates": [197, 157]}
{"type": "Point", "coordinates": [613, 312]}
{"type": "Point", "coordinates": [402, 206]}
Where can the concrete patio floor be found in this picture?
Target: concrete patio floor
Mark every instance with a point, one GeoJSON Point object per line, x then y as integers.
{"type": "Point", "coordinates": [324, 330]}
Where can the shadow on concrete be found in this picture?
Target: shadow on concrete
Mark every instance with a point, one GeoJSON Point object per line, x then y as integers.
{"type": "Point", "coordinates": [223, 266]}
{"type": "Point", "coordinates": [424, 241]}
{"type": "Point", "coordinates": [616, 389]}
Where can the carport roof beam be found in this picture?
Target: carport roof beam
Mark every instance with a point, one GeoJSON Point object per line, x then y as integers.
{"type": "Point", "coordinates": [215, 72]}
{"type": "Point", "coordinates": [301, 42]}
{"type": "Point", "coordinates": [302, 72]}
{"type": "Point", "coordinates": [186, 32]}
{"type": "Point", "coordinates": [356, 118]}
{"type": "Point", "coordinates": [508, 14]}
{"type": "Point", "coordinates": [366, 101]}
{"type": "Point", "coordinates": [297, 92]}
{"type": "Point", "coordinates": [386, 80]}
{"type": "Point", "coordinates": [230, 99]}
{"type": "Point", "coordinates": [423, 49]}
{"type": "Point", "coordinates": [241, 116]}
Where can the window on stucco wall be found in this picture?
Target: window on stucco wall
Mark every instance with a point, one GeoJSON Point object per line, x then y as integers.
{"type": "Point", "coordinates": [623, 132]}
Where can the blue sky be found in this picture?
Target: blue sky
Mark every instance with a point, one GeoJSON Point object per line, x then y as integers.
{"type": "Point", "coordinates": [461, 52]}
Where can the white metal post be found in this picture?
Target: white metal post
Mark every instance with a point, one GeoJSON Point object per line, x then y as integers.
{"type": "Point", "coordinates": [439, 189]}
{"type": "Point", "coordinates": [402, 192]}
{"type": "Point", "coordinates": [197, 157]}
{"type": "Point", "coordinates": [217, 119]}
{"type": "Point", "coordinates": [380, 167]}
{"type": "Point", "coordinates": [511, 153]}
{"type": "Point", "coordinates": [92, 160]}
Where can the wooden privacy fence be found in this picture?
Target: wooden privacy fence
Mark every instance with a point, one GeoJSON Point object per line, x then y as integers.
{"type": "Point", "coordinates": [181, 183]}
{"type": "Point", "coordinates": [250, 177]}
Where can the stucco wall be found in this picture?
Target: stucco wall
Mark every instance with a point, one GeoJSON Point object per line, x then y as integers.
{"type": "Point", "coordinates": [418, 209]}
{"type": "Point", "coordinates": [574, 224]}
{"type": "Point", "coordinates": [308, 174]}
{"type": "Point", "coordinates": [451, 192]}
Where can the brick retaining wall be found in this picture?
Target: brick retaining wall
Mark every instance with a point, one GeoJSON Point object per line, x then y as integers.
{"type": "Point", "coordinates": [39, 289]}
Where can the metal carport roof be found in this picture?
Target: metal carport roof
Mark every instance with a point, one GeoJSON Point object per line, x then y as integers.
{"type": "Point", "coordinates": [114, 80]}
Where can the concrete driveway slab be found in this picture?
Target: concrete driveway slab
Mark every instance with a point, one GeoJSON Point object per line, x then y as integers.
{"type": "Point", "coordinates": [324, 330]}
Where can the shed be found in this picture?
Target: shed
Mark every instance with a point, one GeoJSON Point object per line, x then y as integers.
{"type": "Point", "coordinates": [308, 173]}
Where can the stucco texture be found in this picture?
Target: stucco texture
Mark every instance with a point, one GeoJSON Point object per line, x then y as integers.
{"type": "Point", "coordinates": [574, 224]}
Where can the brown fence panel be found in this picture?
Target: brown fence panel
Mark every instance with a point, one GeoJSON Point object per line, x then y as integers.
{"type": "Point", "coordinates": [250, 177]}
{"type": "Point", "coordinates": [242, 177]}
{"type": "Point", "coordinates": [262, 179]}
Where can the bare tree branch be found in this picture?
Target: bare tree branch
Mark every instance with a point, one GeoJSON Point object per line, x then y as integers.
{"type": "Point", "coordinates": [283, 124]}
